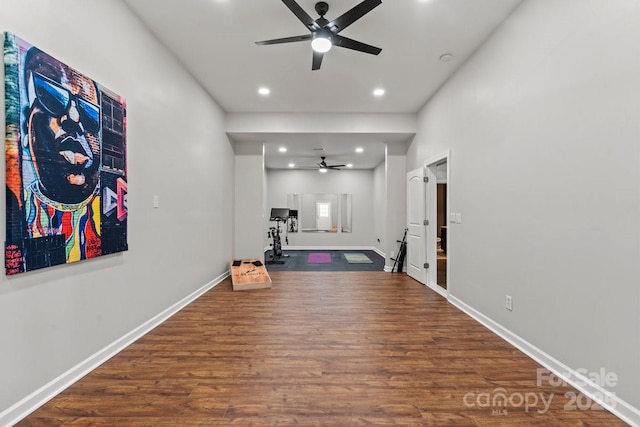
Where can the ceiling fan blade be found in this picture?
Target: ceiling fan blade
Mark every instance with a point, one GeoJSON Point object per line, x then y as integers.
{"type": "Point", "coordinates": [302, 15]}
{"type": "Point", "coordinates": [355, 45]}
{"type": "Point", "coordinates": [317, 60]}
{"type": "Point", "coordinates": [352, 15]}
{"type": "Point", "coordinates": [336, 166]}
{"type": "Point", "coordinates": [285, 40]}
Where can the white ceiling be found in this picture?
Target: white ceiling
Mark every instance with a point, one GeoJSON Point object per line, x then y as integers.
{"type": "Point", "coordinates": [215, 40]}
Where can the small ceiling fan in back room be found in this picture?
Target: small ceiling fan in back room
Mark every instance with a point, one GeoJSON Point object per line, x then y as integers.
{"type": "Point", "coordinates": [324, 33]}
{"type": "Point", "coordinates": [323, 167]}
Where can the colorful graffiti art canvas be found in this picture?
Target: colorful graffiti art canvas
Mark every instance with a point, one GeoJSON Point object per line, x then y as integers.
{"type": "Point", "coordinates": [66, 164]}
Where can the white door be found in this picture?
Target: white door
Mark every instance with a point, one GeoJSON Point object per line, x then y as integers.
{"type": "Point", "coordinates": [416, 243]}
{"type": "Point", "coordinates": [323, 215]}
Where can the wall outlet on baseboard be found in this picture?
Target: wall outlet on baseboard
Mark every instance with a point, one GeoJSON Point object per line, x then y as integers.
{"type": "Point", "coordinates": [508, 302]}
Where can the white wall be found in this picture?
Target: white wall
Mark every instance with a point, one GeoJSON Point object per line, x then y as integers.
{"type": "Point", "coordinates": [543, 124]}
{"type": "Point", "coordinates": [249, 200]}
{"type": "Point", "coordinates": [396, 204]}
{"type": "Point", "coordinates": [359, 183]}
{"type": "Point", "coordinates": [380, 207]}
{"type": "Point", "coordinates": [52, 319]}
{"type": "Point", "coordinates": [390, 205]}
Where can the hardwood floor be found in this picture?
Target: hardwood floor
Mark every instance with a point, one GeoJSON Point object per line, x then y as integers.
{"type": "Point", "coordinates": [318, 348]}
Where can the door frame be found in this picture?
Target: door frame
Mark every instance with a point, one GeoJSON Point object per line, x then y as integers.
{"type": "Point", "coordinates": [431, 215]}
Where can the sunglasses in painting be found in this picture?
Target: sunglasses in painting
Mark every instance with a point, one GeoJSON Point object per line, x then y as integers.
{"type": "Point", "coordinates": [56, 100]}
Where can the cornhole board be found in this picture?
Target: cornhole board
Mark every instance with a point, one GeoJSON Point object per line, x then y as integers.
{"type": "Point", "coordinates": [248, 276]}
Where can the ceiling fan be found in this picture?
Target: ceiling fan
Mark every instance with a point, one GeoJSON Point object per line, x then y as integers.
{"type": "Point", "coordinates": [324, 33]}
{"type": "Point", "coordinates": [324, 167]}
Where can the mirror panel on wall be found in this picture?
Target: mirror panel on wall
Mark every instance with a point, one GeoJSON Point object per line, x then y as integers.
{"type": "Point", "coordinates": [293, 203]}
{"type": "Point", "coordinates": [319, 212]}
{"type": "Point", "coordinates": [345, 213]}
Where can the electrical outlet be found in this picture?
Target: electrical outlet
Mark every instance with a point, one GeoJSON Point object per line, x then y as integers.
{"type": "Point", "coordinates": [508, 303]}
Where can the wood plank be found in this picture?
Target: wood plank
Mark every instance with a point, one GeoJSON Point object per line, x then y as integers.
{"type": "Point", "coordinates": [318, 349]}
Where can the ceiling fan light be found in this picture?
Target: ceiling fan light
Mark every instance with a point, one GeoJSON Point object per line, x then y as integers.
{"type": "Point", "coordinates": [323, 170]}
{"type": "Point", "coordinates": [321, 44]}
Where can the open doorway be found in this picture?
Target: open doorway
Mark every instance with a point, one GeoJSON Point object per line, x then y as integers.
{"type": "Point", "coordinates": [438, 241]}
{"type": "Point", "coordinates": [441, 224]}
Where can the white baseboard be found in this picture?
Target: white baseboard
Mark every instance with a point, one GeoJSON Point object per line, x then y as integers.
{"type": "Point", "coordinates": [30, 403]}
{"type": "Point", "coordinates": [440, 290]}
{"type": "Point", "coordinates": [379, 252]}
{"type": "Point", "coordinates": [625, 411]}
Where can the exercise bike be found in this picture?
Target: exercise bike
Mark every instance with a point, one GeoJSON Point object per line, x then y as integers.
{"type": "Point", "coordinates": [277, 215]}
{"type": "Point", "coordinates": [276, 246]}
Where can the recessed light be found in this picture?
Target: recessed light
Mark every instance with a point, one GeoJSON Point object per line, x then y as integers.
{"type": "Point", "coordinates": [349, 165]}
{"type": "Point", "coordinates": [292, 165]}
{"type": "Point", "coordinates": [264, 91]}
{"type": "Point", "coordinates": [446, 57]}
{"type": "Point", "coordinates": [282, 149]}
{"type": "Point", "coordinates": [359, 150]}
{"type": "Point", "coordinates": [378, 92]}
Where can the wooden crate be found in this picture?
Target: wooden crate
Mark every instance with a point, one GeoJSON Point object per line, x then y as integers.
{"type": "Point", "coordinates": [249, 276]}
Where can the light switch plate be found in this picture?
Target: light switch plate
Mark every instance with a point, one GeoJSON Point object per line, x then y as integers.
{"type": "Point", "coordinates": [459, 218]}
{"type": "Point", "coordinates": [156, 201]}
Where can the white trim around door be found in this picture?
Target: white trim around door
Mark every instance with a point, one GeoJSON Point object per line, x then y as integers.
{"type": "Point", "coordinates": [431, 215]}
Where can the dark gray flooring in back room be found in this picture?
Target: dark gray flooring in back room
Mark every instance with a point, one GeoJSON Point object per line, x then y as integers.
{"type": "Point", "coordinates": [297, 261]}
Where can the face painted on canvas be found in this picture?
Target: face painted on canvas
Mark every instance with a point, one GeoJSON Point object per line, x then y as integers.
{"type": "Point", "coordinates": [63, 125]}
